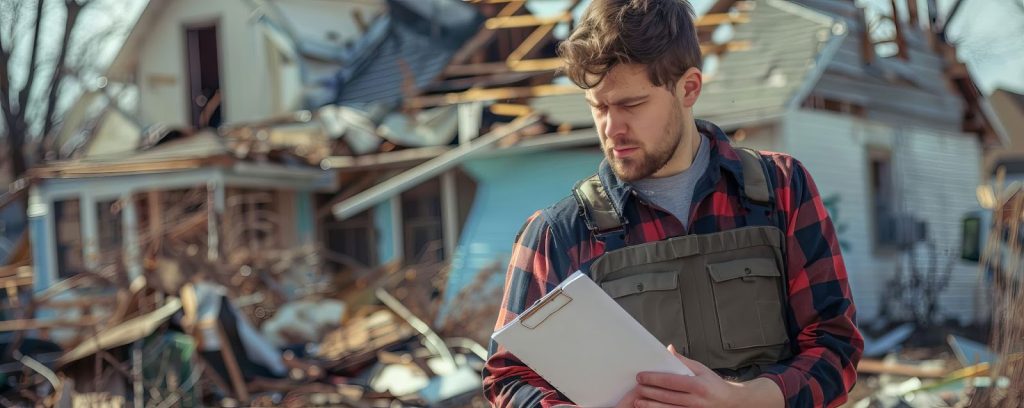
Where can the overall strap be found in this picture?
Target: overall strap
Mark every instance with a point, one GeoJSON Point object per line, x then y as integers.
{"type": "Point", "coordinates": [597, 210]}
{"type": "Point", "coordinates": [608, 226]}
{"type": "Point", "coordinates": [757, 188]}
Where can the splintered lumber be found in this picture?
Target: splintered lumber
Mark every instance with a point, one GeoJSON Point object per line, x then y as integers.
{"type": "Point", "coordinates": [360, 338]}
{"type": "Point", "coordinates": [485, 36]}
{"type": "Point", "coordinates": [37, 324]}
{"type": "Point", "coordinates": [474, 95]}
{"type": "Point", "coordinates": [872, 366]}
{"type": "Point", "coordinates": [525, 20]}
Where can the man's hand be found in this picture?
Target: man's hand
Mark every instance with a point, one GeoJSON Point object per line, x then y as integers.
{"type": "Point", "coordinates": [629, 401]}
{"type": "Point", "coordinates": [703, 389]}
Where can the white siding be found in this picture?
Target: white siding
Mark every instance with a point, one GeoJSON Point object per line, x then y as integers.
{"type": "Point", "coordinates": [936, 174]}
{"type": "Point", "coordinates": [163, 79]}
{"type": "Point", "coordinates": [942, 175]}
{"type": "Point", "coordinates": [763, 138]}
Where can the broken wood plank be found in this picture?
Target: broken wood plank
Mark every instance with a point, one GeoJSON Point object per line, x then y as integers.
{"type": "Point", "coordinates": [536, 65]}
{"type": "Point", "coordinates": [731, 46]}
{"type": "Point", "coordinates": [485, 36]}
{"type": "Point", "coordinates": [86, 169]}
{"type": "Point", "coordinates": [77, 303]}
{"type": "Point", "coordinates": [352, 163]}
{"type": "Point", "coordinates": [474, 95]}
{"type": "Point", "coordinates": [552, 64]}
{"type": "Point", "coordinates": [237, 380]}
{"type": "Point", "coordinates": [711, 20]}
{"type": "Point", "coordinates": [485, 80]}
{"type": "Point", "coordinates": [34, 324]}
{"type": "Point", "coordinates": [16, 276]}
{"type": "Point", "coordinates": [529, 45]}
{"type": "Point", "coordinates": [525, 20]}
{"type": "Point", "coordinates": [872, 366]}
{"type": "Point", "coordinates": [510, 109]}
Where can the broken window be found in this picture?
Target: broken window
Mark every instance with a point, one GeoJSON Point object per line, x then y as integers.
{"type": "Point", "coordinates": [818, 102]}
{"type": "Point", "coordinates": [205, 96]}
{"type": "Point", "coordinates": [422, 224]}
{"type": "Point", "coordinates": [354, 238]}
{"type": "Point", "coordinates": [68, 238]}
{"type": "Point", "coordinates": [109, 229]}
{"type": "Point", "coordinates": [882, 198]}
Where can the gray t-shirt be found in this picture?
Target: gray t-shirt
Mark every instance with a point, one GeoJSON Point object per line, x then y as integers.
{"type": "Point", "coordinates": [674, 193]}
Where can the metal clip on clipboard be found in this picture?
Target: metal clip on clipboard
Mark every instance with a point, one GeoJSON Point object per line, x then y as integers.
{"type": "Point", "coordinates": [544, 308]}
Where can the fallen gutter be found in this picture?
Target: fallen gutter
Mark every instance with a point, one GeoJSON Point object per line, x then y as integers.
{"type": "Point", "coordinates": [433, 342]}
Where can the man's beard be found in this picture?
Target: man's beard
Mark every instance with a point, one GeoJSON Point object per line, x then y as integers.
{"type": "Point", "coordinates": [650, 159]}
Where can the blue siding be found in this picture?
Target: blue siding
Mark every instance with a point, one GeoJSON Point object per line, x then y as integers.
{"type": "Point", "coordinates": [385, 241]}
{"type": "Point", "coordinates": [42, 275]}
{"type": "Point", "coordinates": [12, 225]}
{"type": "Point", "coordinates": [510, 189]}
{"type": "Point", "coordinates": [304, 216]}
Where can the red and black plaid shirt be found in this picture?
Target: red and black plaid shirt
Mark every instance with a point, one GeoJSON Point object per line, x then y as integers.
{"type": "Point", "coordinates": [820, 316]}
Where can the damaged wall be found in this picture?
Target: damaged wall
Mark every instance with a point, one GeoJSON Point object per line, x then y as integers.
{"type": "Point", "coordinates": [933, 179]}
{"type": "Point", "coordinates": [245, 75]}
{"type": "Point", "coordinates": [510, 189]}
{"type": "Point", "coordinates": [162, 77]}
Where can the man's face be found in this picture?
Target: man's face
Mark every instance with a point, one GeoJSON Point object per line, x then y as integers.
{"type": "Point", "coordinates": [640, 125]}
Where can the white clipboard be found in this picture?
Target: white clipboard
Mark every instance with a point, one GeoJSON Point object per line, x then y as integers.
{"type": "Point", "coordinates": [585, 344]}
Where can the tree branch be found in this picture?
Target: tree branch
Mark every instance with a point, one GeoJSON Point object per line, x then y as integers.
{"type": "Point", "coordinates": [5, 83]}
{"type": "Point", "coordinates": [13, 11]}
{"type": "Point", "coordinates": [73, 10]}
{"type": "Point", "coordinates": [33, 61]}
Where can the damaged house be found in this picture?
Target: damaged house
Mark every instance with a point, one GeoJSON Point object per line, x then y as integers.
{"type": "Point", "coordinates": [1009, 106]}
{"type": "Point", "coordinates": [895, 143]}
{"type": "Point", "coordinates": [312, 147]}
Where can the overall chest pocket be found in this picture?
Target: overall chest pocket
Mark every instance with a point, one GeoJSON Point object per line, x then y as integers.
{"type": "Point", "coordinates": [653, 299]}
{"type": "Point", "coordinates": [748, 303]}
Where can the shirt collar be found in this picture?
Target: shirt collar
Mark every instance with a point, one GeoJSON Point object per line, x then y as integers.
{"type": "Point", "coordinates": [722, 156]}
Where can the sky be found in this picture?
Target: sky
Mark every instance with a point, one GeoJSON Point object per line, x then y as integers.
{"type": "Point", "coordinates": [987, 32]}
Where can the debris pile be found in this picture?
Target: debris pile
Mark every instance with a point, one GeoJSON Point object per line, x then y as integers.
{"type": "Point", "coordinates": [190, 339]}
{"type": "Point", "coordinates": [981, 367]}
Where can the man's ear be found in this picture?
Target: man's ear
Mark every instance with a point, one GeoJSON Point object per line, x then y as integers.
{"type": "Point", "coordinates": [688, 87]}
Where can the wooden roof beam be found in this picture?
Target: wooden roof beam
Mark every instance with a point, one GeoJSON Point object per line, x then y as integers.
{"type": "Point", "coordinates": [474, 95]}
{"type": "Point", "coordinates": [538, 36]}
{"type": "Point", "coordinates": [525, 20]}
{"type": "Point", "coordinates": [484, 36]}
{"type": "Point", "coordinates": [712, 20]}
{"type": "Point", "coordinates": [552, 64]}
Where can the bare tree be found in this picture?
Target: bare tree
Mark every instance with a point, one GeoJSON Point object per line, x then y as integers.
{"type": "Point", "coordinates": [34, 66]}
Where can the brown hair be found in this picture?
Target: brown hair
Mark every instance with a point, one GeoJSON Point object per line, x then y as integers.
{"type": "Point", "coordinates": [657, 33]}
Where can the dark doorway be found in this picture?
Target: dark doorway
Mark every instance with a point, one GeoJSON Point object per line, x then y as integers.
{"type": "Point", "coordinates": [205, 96]}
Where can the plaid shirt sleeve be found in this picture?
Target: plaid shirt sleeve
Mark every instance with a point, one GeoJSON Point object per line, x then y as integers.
{"type": "Point", "coordinates": [821, 310]}
{"type": "Point", "coordinates": [532, 272]}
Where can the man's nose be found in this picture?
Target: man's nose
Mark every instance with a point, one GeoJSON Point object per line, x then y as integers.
{"type": "Point", "coordinates": [614, 124]}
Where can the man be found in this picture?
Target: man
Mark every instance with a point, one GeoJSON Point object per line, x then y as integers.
{"type": "Point", "coordinates": [739, 268]}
